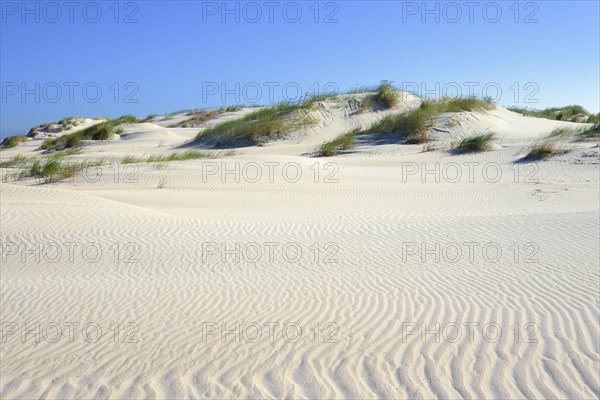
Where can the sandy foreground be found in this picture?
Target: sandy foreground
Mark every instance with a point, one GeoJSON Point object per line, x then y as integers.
{"type": "Point", "coordinates": [385, 272]}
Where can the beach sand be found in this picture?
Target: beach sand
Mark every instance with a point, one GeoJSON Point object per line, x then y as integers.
{"type": "Point", "coordinates": [383, 272]}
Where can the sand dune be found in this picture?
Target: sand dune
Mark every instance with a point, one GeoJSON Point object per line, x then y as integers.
{"type": "Point", "coordinates": [402, 286]}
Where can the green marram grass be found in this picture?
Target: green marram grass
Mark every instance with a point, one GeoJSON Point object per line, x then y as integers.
{"type": "Point", "coordinates": [411, 125]}
{"type": "Point", "coordinates": [475, 143]}
{"type": "Point", "coordinates": [259, 126]}
{"type": "Point", "coordinates": [578, 133]}
{"type": "Point", "coordinates": [566, 113]}
{"type": "Point", "coordinates": [13, 141]}
{"type": "Point", "coordinates": [102, 131]}
{"type": "Point", "coordinates": [345, 141]}
{"type": "Point", "coordinates": [387, 95]}
{"type": "Point", "coordinates": [542, 149]}
{"type": "Point", "coordinates": [177, 156]}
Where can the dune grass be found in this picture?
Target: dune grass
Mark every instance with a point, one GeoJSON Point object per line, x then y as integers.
{"type": "Point", "coordinates": [51, 170]}
{"type": "Point", "coordinates": [197, 118]}
{"type": "Point", "coordinates": [592, 132]}
{"type": "Point", "coordinates": [101, 131]}
{"type": "Point", "coordinates": [54, 170]}
{"type": "Point", "coordinates": [259, 126]}
{"type": "Point", "coordinates": [162, 183]}
{"type": "Point", "coordinates": [410, 125]}
{"type": "Point", "coordinates": [387, 95]}
{"type": "Point", "coordinates": [13, 141]}
{"type": "Point", "coordinates": [63, 153]}
{"type": "Point", "coordinates": [364, 105]}
{"type": "Point", "coordinates": [176, 156]}
{"type": "Point", "coordinates": [566, 113]}
{"type": "Point", "coordinates": [15, 162]}
{"type": "Point", "coordinates": [345, 141]}
{"type": "Point", "coordinates": [542, 149]}
{"type": "Point", "coordinates": [475, 143]}
{"type": "Point", "coordinates": [456, 104]}
{"type": "Point", "coordinates": [310, 101]}
{"type": "Point", "coordinates": [578, 134]}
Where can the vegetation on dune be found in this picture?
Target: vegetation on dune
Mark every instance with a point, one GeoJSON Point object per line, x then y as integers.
{"type": "Point", "coordinates": [310, 101]}
{"type": "Point", "coordinates": [363, 105]}
{"type": "Point", "coordinates": [177, 156]}
{"type": "Point", "coordinates": [149, 117]}
{"type": "Point", "coordinates": [547, 146]}
{"type": "Point", "coordinates": [63, 153]}
{"type": "Point", "coordinates": [592, 132]}
{"type": "Point", "coordinates": [456, 104]}
{"type": "Point", "coordinates": [201, 114]}
{"type": "Point", "coordinates": [13, 141]}
{"type": "Point", "coordinates": [162, 183]}
{"type": "Point", "coordinates": [410, 125]}
{"type": "Point", "coordinates": [15, 162]}
{"type": "Point", "coordinates": [261, 125]}
{"type": "Point", "coordinates": [572, 113]}
{"type": "Point", "coordinates": [345, 141]}
{"type": "Point", "coordinates": [101, 131]}
{"type": "Point", "coordinates": [475, 143]}
{"type": "Point", "coordinates": [542, 149]}
{"type": "Point", "coordinates": [196, 119]}
{"type": "Point", "coordinates": [60, 126]}
{"type": "Point", "coordinates": [387, 95]}
{"type": "Point", "coordinates": [578, 134]}
{"type": "Point", "coordinates": [69, 123]}
{"type": "Point", "coordinates": [413, 126]}
{"type": "Point", "coordinates": [50, 170]}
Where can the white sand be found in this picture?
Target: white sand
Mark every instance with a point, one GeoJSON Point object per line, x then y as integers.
{"type": "Point", "coordinates": [372, 221]}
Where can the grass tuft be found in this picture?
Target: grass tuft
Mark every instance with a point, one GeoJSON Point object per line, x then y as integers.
{"type": "Point", "coordinates": [475, 143]}
{"type": "Point", "coordinates": [13, 141]}
{"type": "Point", "coordinates": [387, 94]}
{"type": "Point", "coordinates": [15, 162]}
{"type": "Point", "coordinates": [542, 149]}
{"type": "Point", "coordinates": [162, 183]}
{"type": "Point", "coordinates": [573, 113]}
{"type": "Point", "coordinates": [197, 118]}
{"type": "Point", "coordinates": [176, 156]}
{"type": "Point", "coordinates": [51, 170]}
{"type": "Point", "coordinates": [101, 131]}
{"type": "Point", "coordinates": [410, 125]}
{"type": "Point", "coordinates": [63, 153]}
{"type": "Point", "coordinates": [310, 101]}
{"type": "Point", "coordinates": [578, 134]}
{"type": "Point", "coordinates": [345, 141]}
{"type": "Point", "coordinates": [456, 104]}
{"type": "Point", "coordinates": [259, 126]}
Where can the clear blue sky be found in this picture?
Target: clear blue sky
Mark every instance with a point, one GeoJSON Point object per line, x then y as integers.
{"type": "Point", "coordinates": [181, 54]}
